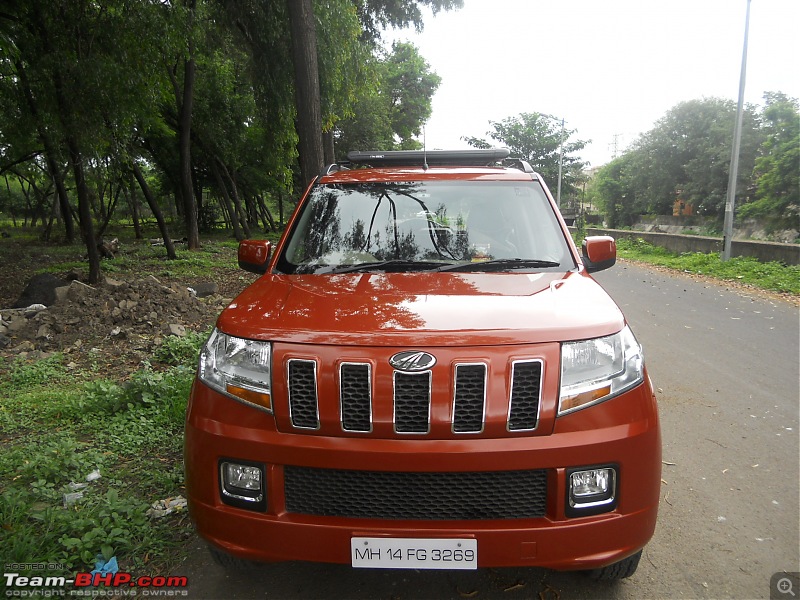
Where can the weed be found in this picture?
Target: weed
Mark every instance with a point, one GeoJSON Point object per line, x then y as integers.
{"type": "Point", "coordinates": [180, 350]}
{"type": "Point", "coordinates": [765, 275]}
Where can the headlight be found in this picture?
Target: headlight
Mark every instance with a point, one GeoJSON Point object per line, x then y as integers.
{"type": "Point", "coordinates": [238, 368]}
{"type": "Point", "coordinates": [598, 369]}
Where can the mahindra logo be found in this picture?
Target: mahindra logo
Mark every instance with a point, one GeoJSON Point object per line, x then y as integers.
{"type": "Point", "coordinates": [412, 360]}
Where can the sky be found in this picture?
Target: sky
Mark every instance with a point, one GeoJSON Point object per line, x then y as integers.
{"type": "Point", "coordinates": [610, 69]}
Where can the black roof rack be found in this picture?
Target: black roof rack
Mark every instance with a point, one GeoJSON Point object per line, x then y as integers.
{"type": "Point", "coordinates": [431, 158]}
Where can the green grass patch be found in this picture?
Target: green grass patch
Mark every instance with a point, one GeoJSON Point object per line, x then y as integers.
{"type": "Point", "coordinates": [57, 429]}
{"type": "Point", "coordinates": [764, 275]}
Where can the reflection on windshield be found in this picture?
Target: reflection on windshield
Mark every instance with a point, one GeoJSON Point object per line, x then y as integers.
{"type": "Point", "coordinates": [401, 225]}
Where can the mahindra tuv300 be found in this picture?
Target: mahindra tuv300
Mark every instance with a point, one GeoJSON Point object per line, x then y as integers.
{"type": "Point", "coordinates": [425, 376]}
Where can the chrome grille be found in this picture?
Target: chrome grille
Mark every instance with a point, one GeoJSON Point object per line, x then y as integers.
{"type": "Point", "coordinates": [303, 406]}
{"type": "Point", "coordinates": [412, 402]}
{"type": "Point", "coordinates": [469, 398]}
{"type": "Point", "coordinates": [416, 496]}
{"type": "Point", "coordinates": [459, 394]}
{"type": "Point", "coordinates": [355, 397]}
{"type": "Point", "coordinates": [526, 387]}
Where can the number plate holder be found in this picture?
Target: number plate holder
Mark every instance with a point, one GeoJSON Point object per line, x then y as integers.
{"type": "Point", "coordinates": [414, 553]}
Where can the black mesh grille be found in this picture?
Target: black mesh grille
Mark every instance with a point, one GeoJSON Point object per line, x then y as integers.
{"type": "Point", "coordinates": [412, 399]}
{"type": "Point", "coordinates": [469, 398]}
{"type": "Point", "coordinates": [525, 390]}
{"type": "Point", "coordinates": [303, 394]}
{"type": "Point", "coordinates": [354, 394]}
{"type": "Point", "coordinates": [416, 496]}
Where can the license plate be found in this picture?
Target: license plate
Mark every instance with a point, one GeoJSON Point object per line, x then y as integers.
{"type": "Point", "coordinates": [414, 553]}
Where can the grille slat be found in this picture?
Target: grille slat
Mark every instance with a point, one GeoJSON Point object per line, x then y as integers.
{"type": "Point", "coordinates": [355, 397]}
{"type": "Point", "coordinates": [412, 402]}
{"type": "Point", "coordinates": [412, 397]}
{"type": "Point", "coordinates": [303, 406]}
{"type": "Point", "coordinates": [416, 496]}
{"type": "Point", "coordinates": [469, 398]}
{"type": "Point", "coordinates": [526, 378]}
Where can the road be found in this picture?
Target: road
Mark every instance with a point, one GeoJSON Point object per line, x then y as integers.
{"type": "Point", "coordinates": [726, 365]}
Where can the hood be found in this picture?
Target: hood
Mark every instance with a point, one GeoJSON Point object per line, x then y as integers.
{"type": "Point", "coordinates": [430, 309]}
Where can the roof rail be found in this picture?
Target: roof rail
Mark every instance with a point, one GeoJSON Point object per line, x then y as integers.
{"type": "Point", "coordinates": [332, 168]}
{"type": "Point", "coordinates": [518, 163]}
{"type": "Point", "coordinates": [433, 158]}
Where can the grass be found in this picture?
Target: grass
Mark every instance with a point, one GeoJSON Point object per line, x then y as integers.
{"type": "Point", "coordinates": [57, 429]}
{"type": "Point", "coordinates": [772, 276]}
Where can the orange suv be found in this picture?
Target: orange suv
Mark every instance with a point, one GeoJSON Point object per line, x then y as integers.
{"type": "Point", "coordinates": [425, 376]}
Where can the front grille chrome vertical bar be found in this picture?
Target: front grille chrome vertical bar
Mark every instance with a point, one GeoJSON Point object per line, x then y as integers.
{"type": "Point", "coordinates": [355, 396]}
{"type": "Point", "coordinates": [303, 401]}
{"type": "Point", "coordinates": [526, 391]}
{"type": "Point", "coordinates": [469, 398]}
{"type": "Point", "coordinates": [412, 402]}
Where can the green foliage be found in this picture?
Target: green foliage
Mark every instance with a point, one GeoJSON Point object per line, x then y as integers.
{"type": "Point", "coordinates": [536, 138]}
{"type": "Point", "coordinates": [45, 371]}
{"type": "Point", "coordinates": [777, 170]}
{"type": "Point", "coordinates": [124, 432]}
{"type": "Point", "coordinates": [181, 350]}
{"type": "Point", "coordinates": [391, 112]}
{"type": "Point", "coordinates": [769, 276]}
{"type": "Point", "coordinates": [686, 157]}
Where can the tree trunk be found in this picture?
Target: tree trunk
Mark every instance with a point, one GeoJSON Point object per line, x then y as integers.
{"type": "Point", "coordinates": [184, 141]}
{"type": "Point", "coordinates": [50, 157]}
{"type": "Point", "coordinates": [156, 210]}
{"type": "Point", "coordinates": [133, 201]}
{"type": "Point", "coordinates": [307, 94]}
{"type": "Point", "coordinates": [84, 210]}
{"type": "Point", "coordinates": [236, 202]}
{"type": "Point", "coordinates": [237, 229]}
{"type": "Point", "coordinates": [327, 147]}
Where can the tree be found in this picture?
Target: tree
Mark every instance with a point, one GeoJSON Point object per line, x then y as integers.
{"type": "Point", "coordinates": [685, 156]}
{"type": "Point", "coordinates": [536, 138]}
{"type": "Point", "coordinates": [777, 170]}
{"type": "Point", "coordinates": [307, 94]}
{"type": "Point", "coordinates": [377, 15]}
{"type": "Point", "coordinates": [389, 115]}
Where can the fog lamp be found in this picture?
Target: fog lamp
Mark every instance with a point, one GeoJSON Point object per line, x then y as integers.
{"type": "Point", "coordinates": [242, 484]}
{"type": "Point", "coordinates": [591, 490]}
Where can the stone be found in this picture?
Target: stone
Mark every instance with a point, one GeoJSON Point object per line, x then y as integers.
{"type": "Point", "coordinates": [177, 330]}
{"type": "Point", "coordinates": [41, 289]}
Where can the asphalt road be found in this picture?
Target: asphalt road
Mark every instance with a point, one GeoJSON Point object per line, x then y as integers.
{"type": "Point", "coordinates": [726, 365]}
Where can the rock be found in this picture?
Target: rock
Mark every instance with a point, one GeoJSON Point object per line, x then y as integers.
{"type": "Point", "coordinates": [78, 290]}
{"type": "Point", "coordinates": [41, 289]}
{"type": "Point", "coordinates": [44, 332]}
{"type": "Point", "coordinates": [203, 289]}
{"type": "Point", "coordinates": [177, 330]}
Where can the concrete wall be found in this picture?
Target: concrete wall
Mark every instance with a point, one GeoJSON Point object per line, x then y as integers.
{"type": "Point", "coordinates": [764, 251]}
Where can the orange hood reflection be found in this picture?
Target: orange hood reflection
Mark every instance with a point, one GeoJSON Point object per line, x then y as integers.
{"type": "Point", "coordinates": [423, 309]}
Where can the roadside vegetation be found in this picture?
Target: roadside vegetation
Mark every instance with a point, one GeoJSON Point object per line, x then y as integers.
{"type": "Point", "coordinates": [85, 458]}
{"type": "Point", "coordinates": [88, 448]}
{"type": "Point", "coordinates": [773, 276]}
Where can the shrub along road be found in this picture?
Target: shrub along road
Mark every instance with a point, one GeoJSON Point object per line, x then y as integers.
{"type": "Point", "coordinates": [725, 363]}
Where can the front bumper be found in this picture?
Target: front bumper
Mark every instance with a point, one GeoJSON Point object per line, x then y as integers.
{"type": "Point", "coordinates": [623, 431]}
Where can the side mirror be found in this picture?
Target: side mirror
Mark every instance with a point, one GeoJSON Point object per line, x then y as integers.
{"type": "Point", "coordinates": [254, 255]}
{"type": "Point", "coordinates": [599, 253]}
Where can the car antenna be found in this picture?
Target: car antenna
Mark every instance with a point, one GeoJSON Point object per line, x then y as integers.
{"type": "Point", "coordinates": [424, 149]}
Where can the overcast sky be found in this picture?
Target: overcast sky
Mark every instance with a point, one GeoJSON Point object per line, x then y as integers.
{"type": "Point", "coordinates": [611, 69]}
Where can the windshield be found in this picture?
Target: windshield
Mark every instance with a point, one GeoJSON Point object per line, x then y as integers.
{"type": "Point", "coordinates": [426, 225]}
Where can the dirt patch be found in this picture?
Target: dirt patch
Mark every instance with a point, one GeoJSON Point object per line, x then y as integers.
{"type": "Point", "coordinates": [113, 327]}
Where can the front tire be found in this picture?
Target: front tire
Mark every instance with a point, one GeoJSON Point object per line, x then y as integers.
{"type": "Point", "coordinates": [619, 570]}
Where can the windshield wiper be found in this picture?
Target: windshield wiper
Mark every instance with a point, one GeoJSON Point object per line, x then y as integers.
{"type": "Point", "coordinates": [501, 264]}
{"type": "Point", "coordinates": [396, 264]}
